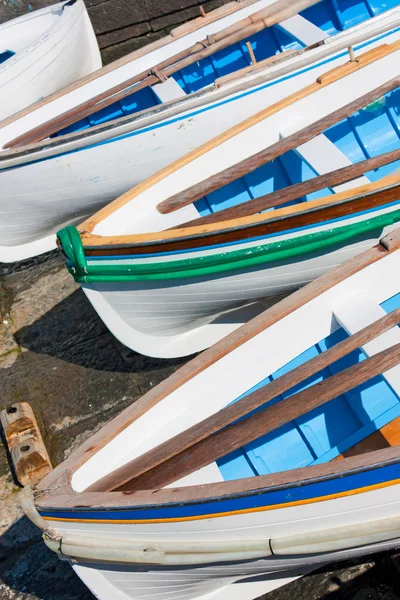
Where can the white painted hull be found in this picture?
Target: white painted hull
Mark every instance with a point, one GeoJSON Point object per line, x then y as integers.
{"type": "Point", "coordinates": [201, 519]}
{"type": "Point", "coordinates": [59, 189]}
{"type": "Point", "coordinates": [205, 583]}
{"type": "Point", "coordinates": [53, 46]}
{"type": "Point", "coordinates": [230, 582]}
{"type": "Point", "coordinates": [179, 317]}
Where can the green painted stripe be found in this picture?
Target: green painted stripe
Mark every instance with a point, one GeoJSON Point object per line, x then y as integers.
{"type": "Point", "coordinates": [292, 248]}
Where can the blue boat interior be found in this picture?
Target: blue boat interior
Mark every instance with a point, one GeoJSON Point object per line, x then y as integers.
{"type": "Point", "coordinates": [5, 55]}
{"type": "Point", "coordinates": [326, 432]}
{"type": "Point", "coordinates": [332, 16]}
{"type": "Point", "coordinates": [371, 131]}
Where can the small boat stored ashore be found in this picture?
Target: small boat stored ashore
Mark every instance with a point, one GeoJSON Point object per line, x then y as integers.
{"type": "Point", "coordinates": [316, 377]}
{"type": "Point", "coordinates": [68, 176]}
{"type": "Point", "coordinates": [43, 51]}
{"type": "Point", "coordinates": [171, 270]}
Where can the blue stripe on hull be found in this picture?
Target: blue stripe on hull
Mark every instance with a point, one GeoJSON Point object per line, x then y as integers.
{"type": "Point", "coordinates": [5, 55]}
{"type": "Point", "coordinates": [210, 106]}
{"type": "Point", "coordinates": [262, 499]}
{"type": "Point", "coordinates": [331, 16]}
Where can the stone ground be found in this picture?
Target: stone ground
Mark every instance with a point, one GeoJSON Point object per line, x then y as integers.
{"type": "Point", "coordinates": [56, 354]}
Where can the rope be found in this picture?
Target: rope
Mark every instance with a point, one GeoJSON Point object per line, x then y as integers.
{"type": "Point", "coordinates": [159, 74]}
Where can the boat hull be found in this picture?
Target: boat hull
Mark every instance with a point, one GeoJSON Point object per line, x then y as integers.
{"type": "Point", "coordinates": [265, 510]}
{"type": "Point", "coordinates": [63, 53]}
{"type": "Point", "coordinates": [64, 188]}
{"type": "Point", "coordinates": [292, 518]}
{"type": "Point", "coordinates": [179, 316]}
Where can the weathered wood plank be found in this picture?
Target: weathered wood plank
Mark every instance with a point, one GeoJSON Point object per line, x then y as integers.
{"type": "Point", "coordinates": [245, 431]}
{"type": "Point", "coordinates": [28, 452]}
{"type": "Point", "coordinates": [297, 190]}
{"type": "Point", "coordinates": [195, 493]}
{"type": "Point", "coordinates": [163, 455]}
{"type": "Point", "coordinates": [251, 163]}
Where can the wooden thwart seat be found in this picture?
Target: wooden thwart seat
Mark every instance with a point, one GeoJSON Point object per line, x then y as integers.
{"type": "Point", "coordinates": [168, 90]}
{"type": "Point", "coordinates": [303, 30]}
{"type": "Point", "coordinates": [222, 433]}
{"type": "Point", "coordinates": [324, 157]}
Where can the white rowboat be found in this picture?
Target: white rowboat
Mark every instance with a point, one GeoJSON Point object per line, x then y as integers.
{"type": "Point", "coordinates": [48, 184]}
{"type": "Point", "coordinates": [170, 275]}
{"type": "Point", "coordinates": [43, 51]}
{"type": "Point", "coordinates": [221, 475]}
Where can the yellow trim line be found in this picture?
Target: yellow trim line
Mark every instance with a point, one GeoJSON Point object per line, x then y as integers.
{"type": "Point", "coordinates": [362, 490]}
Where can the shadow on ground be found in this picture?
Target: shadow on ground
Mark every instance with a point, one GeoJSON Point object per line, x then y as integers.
{"type": "Point", "coordinates": [72, 332]}
{"type": "Point", "coordinates": [29, 569]}
{"type": "Point", "coordinates": [369, 578]}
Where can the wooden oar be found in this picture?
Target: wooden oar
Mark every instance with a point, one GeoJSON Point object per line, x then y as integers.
{"type": "Point", "coordinates": [271, 15]}
{"type": "Point", "coordinates": [264, 422]}
{"type": "Point", "coordinates": [296, 191]}
{"type": "Point", "coordinates": [160, 459]}
{"type": "Point", "coordinates": [255, 161]}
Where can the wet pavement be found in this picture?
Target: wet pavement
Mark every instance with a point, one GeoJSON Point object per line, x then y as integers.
{"type": "Point", "coordinates": [56, 354]}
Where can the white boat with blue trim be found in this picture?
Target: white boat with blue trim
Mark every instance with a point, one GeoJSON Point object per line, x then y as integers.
{"type": "Point", "coordinates": [43, 51]}
{"type": "Point", "coordinates": [48, 182]}
{"type": "Point", "coordinates": [221, 482]}
{"type": "Point", "coordinates": [171, 270]}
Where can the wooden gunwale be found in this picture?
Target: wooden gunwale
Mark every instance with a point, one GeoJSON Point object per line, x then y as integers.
{"type": "Point", "coordinates": [218, 351]}
{"type": "Point", "coordinates": [266, 17]}
{"type": "Point", "coordinates": [67, 498]}
{"type": "Point", "coordinates": [343, 204]}
{"type": "Point", "coordinates": [219, 434]}
{"type": "Point", "coordinates": [198, 23]}
{"type": "Point", "coordinates": [330, 77]}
